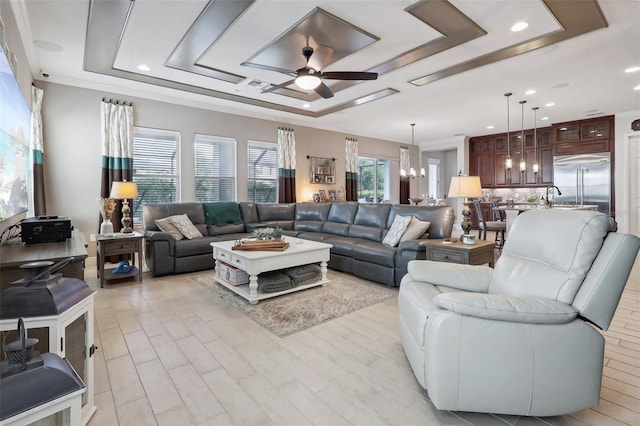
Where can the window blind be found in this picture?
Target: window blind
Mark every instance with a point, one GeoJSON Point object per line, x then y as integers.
{"type": "Point", "coordinates": [215, 168]}
{"type": "Point", "coordinates": [155, 167]}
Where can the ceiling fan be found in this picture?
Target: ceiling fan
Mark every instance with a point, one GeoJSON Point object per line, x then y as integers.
{"type": "Point", "coordinates": [310, 77]}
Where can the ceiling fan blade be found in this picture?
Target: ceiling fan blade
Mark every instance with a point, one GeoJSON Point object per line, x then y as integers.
{"type": "Point", "coordinates": [276, 87]}
{"type": "Point", "coordinates": [320, 57]}
{"type": "Point", "coordinates": [324, 91]}
{"type": "Point", "coordinates": [349, 75]}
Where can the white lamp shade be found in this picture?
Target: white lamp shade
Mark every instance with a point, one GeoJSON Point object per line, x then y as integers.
{"type": "Point", "coordinates": [124, 190]}
{"type": "Point", "coordinates": [465, 186]}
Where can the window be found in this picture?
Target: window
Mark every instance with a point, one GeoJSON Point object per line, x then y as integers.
{"type": "Point", "coordinates": [215, 168]}
{"type": "Point", "coordinates": [373, 180]}
{"type": "Point", "coordinates": [262, 172]}
{"type": "Point", "coordinates": [155, 167]}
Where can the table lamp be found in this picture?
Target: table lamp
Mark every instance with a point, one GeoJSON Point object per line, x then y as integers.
{"type": "Point", "coordinates": [125, 191]}
{"type": "Point", "coordinates": [466, 187]}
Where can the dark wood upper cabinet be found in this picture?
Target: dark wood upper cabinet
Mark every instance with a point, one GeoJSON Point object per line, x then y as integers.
{"type": "Point", "coordinates": [488, 154]}
{"type": "Point", "coordinates": [584, 136]}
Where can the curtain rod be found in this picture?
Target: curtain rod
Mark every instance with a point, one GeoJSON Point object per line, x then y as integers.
{"type": "Point", "coordinates": [116, 102]}
{"type": "Point", "coordinates": [285, 129]}
{"type": "Point", "coordinates": [352, 139]}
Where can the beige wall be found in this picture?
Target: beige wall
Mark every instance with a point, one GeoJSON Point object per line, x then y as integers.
{"type": "Point", "coordinates": [72, 151]}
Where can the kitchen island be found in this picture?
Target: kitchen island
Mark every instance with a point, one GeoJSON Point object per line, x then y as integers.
{"type": "Point", "coordinates": [512, 212]}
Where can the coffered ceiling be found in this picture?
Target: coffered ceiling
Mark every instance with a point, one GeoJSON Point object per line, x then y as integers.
{"type": "Point", "coordinates": [443, 65]}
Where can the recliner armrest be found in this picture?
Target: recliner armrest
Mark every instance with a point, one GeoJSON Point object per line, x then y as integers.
{"type": "Point", "coordinates": [475, 278]}
{"type": "Point", "coordinates": [499, 307]}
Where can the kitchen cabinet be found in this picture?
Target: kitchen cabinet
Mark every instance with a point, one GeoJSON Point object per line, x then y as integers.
{"type": "Point", "coordinates": [483, 165]}
{"type": "Point", "coordinates": [584, 136]}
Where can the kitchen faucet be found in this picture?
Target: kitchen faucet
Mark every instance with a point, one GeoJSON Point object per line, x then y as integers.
{"type": "Point", "coordinates": [547, 190]}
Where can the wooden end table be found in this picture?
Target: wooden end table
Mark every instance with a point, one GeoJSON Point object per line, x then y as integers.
{"type": "Point", "coordinates": [456, 252]}
{"type": "Point", "coordinates": [114, 244]}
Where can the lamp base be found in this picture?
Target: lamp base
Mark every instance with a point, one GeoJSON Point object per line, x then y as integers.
{"type": "Point", "coordinates": [126, 219]}
{"type": "Point", "coordinates": [468, 239]}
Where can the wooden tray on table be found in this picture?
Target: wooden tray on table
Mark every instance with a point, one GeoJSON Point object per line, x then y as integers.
{"type": "Point", "coordinates": [261, 245]}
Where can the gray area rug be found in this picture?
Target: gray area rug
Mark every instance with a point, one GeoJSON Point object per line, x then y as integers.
{"type": "Point", "coordinates": [290, 313]}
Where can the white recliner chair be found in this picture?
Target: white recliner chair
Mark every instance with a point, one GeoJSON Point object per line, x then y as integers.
{"type": "Point", "coordinates": [521, 338]}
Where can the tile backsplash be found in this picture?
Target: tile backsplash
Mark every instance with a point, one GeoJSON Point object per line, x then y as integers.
{"type": "Point", "coordinates": [519, 195]}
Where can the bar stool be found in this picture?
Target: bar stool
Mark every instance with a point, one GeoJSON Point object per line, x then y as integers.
{"type": "Point", "coordinates": [497, 226]}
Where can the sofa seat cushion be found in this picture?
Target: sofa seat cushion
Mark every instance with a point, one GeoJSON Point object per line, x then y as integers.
{"type": "Point", "coordinates": [366, 232]}
{"type": "Point", "coordinates": [342, 245]}
{"type": "Point", "coordinates": [308, 225]}
{"type": "Point", "coordinates": [284, 224]}
{"type": "Point", "coordinates": [315, 236]}
{"type": "Point", "coordinates": [194, 247]}
{"type": "Point", "coordinates": [373, 252]}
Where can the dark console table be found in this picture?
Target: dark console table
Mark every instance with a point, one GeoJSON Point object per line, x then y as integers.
{"type": "Point", "coordinates": [14, 255]}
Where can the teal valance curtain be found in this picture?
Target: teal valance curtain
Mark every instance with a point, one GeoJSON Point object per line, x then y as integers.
{"type": "Point", "coordinates": [351, 177]}
{"type": "Point", "coordinates": [286, 166]}
{"type": "Point", "coordinates": [37, 152]}
{"type": "Point", "coordinates": [117, 149]}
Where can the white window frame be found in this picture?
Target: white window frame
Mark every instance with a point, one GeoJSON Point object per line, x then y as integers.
{"type": "Point", "coordinates": [228, 164]}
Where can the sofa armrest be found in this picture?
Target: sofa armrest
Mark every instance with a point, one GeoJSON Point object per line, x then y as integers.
{"type": "Point", "coordinates": [160, 249]}
{"type": "Point", "coordinates": [475, 278]}
{"type": "Point", "coordinates": [533, 310]}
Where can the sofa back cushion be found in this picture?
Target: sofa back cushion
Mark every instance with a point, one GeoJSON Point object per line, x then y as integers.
{"type": "Point", "coordinates": [372, 215]}
{"type": "Point", "coordinates": [549, 252]}
{"type": "Point", "coordinates": [249, 212]}
{"type": "Point", "coordinates": [311, 216]}
{"type": "Point", "coordinates": [441, 218]}
{"type": "Point", "coordinates": [276, 212]}
{"type": "Point", "coordinates": [340, 217]}
{"type": "Point", "coordinates": [152, 212]}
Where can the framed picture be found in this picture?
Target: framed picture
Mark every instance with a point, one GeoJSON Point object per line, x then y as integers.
{"type": "Point", "coordinates": [328, 179]}
{"type": "Point", "coordinates": [340, 195]}
{"type": "Point", "coordinates": [323, 195]}
{"type": "Point", "coordinates": [316, 198]}
{"type": "Point", "coordinates": [332, 195]}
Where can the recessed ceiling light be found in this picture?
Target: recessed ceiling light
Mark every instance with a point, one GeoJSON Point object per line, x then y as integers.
{"type": "Point", "coordinates": [490, 126]}
{"type": "Point", "coordinates": [143, 67]}
{"type": "Point", "coordinates": [530, 92]}
{"type": "Point", "coordinates": [519, 26]}
{"type": "Point", "coordinates": [550, 104]}
{"type": "Point", "coordinates": [544, 118]}
{"type": "Point", "coordinates": [47, 45]}
{"type": "Point", "coordinates": [632, 69]}
{"type": "Point", "coordinates": [306, 105]}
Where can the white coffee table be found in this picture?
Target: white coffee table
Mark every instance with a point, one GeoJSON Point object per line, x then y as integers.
{"type": "Point", "coordinates": [300, 252]}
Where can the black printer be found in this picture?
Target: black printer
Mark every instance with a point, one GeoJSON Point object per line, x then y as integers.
{"type": "Point", "coordinates": [45, 229]}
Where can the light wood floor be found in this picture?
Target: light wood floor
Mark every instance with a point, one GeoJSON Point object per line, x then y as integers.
{"type": "Point", "coordinates": [170, 353]}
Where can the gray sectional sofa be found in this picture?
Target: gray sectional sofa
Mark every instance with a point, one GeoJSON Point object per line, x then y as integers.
{"type": "Point", "coordinates": [356, 231]}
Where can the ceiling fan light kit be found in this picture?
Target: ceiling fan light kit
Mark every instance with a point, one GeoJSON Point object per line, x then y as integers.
{"type": "Point", "coordinates": [307, 80]}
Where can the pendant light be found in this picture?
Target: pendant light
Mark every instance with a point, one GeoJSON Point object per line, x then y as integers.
{"type": "Point", "coordinates": [509, 162]}
{"type": "Point", "coordinates": [412, 171]}
{"type": "Point", "coordinates": [523, 163]}
{"type": "Point", "coordinates": [535, 144]}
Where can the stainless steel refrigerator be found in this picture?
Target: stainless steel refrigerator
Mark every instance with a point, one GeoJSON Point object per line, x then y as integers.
{"type": "Point", "coordinates": [583, 179]}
